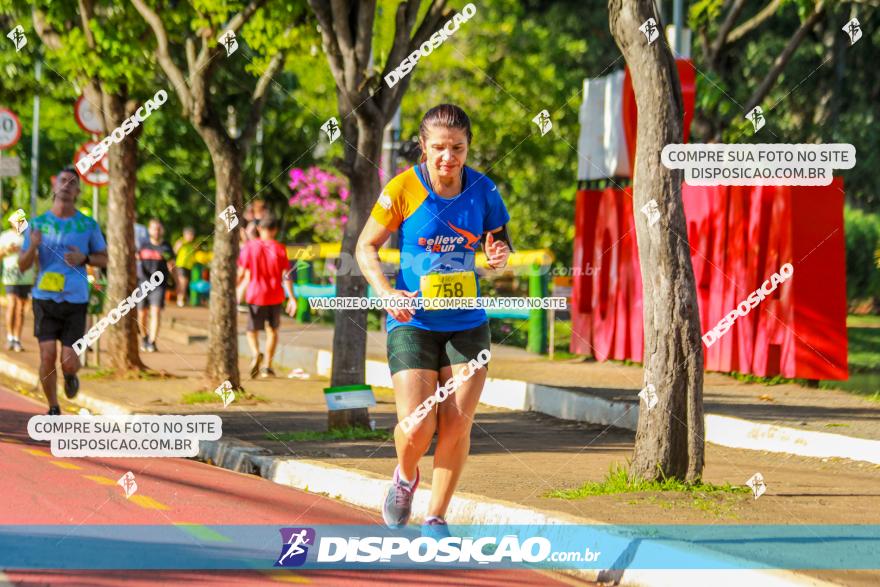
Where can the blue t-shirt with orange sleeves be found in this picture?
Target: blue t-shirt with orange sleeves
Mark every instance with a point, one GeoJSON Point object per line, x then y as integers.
{"type": "Point", "coordinates": [440, 237]}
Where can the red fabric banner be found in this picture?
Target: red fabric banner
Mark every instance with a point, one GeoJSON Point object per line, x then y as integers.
{"type": "Point", "coordinates": [739, 238]}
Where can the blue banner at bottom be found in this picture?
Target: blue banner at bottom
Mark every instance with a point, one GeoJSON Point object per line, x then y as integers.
{"type": "Point", "coordinates": [192, 546]}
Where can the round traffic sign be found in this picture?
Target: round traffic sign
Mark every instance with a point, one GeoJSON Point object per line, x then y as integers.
{"type": "Point", "coordinates": [10, 128]}
{"type": "Point", "coordinates": [97, 174]}
{"type": "Point", "coordinates": [86, 118]}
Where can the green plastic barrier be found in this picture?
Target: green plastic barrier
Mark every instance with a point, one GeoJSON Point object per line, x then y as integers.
{"type": "Point", "coordinates": [539, 287]}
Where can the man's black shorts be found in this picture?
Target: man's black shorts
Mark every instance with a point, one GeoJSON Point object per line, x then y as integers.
{"type": "Point", "coordinates": [19, 291]}
{"type": "Point", "coordinates": [62, 321]}
{"type": "Point", "coordinates": [154, 298]}
{"type": "Point", "coordinates": [259, 315]}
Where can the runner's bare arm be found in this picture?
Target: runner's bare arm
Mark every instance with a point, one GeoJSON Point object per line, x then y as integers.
{"type": "Point", "coordinates": [26, 259]}
{"type": "Point", "coordinates": [98, 259]}
{"type": "Point", "coordinates": [373, 236]}
{"type": "Point", "coordinates": [243, 274]}
{"type": "Point", "coordinates": [497, 249]}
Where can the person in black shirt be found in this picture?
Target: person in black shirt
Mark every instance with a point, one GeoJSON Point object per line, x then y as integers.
{"type": "Point", "coordinates": [153, 255]}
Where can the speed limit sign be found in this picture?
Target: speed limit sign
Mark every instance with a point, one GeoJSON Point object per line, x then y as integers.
{"type": "Point", "coordinates": [10, 128]}
{"type": "Point", "coordinates": [86, 118]}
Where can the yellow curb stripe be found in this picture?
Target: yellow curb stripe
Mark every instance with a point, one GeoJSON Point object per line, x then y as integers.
{"type": "Point", "coordinates": [65, 465]}
{"type": "Point", "coordinates": [100, 480]}
{"type": "Point", "coordinates": [148, 502]}
{"type": "Point", "coordinates": [202, 532]}
{"type": "Point", "coordinates": [37, 452]}
{"type": "Point", "coordinates": [283, 576]}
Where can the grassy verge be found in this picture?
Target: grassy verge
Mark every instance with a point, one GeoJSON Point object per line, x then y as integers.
{"type": "Point", "coordinates": [209, 397]}
{"type": "Point", "coordinates": [619, 481]}
{"type": "Point", "coordinates": [350, 433]}
{"type": "Point", "coordinates": [868, 320]}
{"type": "Point", "coordinates": [105, 373]}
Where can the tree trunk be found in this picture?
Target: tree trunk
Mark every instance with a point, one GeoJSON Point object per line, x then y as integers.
{"type": "Point", "coordinates": [350, 331]}
{"type": "Point", "coordinates": [669, 438]}
{"type": "Point", "coordinates": [223, 331]}
{"type": "Point", "coordinates": [122, 338]}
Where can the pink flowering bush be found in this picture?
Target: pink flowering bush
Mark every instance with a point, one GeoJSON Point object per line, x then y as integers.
{"type": "Point", "coordinates": [322, 198]}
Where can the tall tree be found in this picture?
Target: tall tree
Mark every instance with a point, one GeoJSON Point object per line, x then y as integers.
{"type": "Point", "coordinates": [721, 41]}
{"type": "Point", "coordinates": [669, 438]}
{"type": "Point", "coordinates": [106, 71]}
{"type": "Point", "coordinates": [366, 105]}
{"type": "Point", "coordinates": [197, 47]}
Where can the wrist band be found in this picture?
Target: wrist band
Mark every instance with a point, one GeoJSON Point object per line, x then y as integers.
{"type": "Point", "coordinates": [86, 262]}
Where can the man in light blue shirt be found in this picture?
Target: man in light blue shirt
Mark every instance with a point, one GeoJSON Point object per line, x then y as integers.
{"type": "Point", "coordinates": [64, 241]}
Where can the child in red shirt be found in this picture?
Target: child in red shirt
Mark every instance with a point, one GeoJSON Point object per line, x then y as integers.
{"type": "Point", "coordinates": [263, 264]}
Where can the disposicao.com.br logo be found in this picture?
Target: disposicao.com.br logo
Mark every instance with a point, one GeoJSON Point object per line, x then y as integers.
{"type": "Point", "coordinates": [411, 550]}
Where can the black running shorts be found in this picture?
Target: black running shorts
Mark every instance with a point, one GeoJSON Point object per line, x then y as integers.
{"type": "Point", "coordinates": [414, 348]}
{"type": "Point", "coordinates": [62, 321]}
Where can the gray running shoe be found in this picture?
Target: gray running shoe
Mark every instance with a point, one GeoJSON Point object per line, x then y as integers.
{"type": "Point", "coordinates": [398, 501]}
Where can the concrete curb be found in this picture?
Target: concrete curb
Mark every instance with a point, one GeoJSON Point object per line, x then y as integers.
{"type": "Point", "coordinates": [582, 406]}
{"type": "Point", "coordinates": [367, 490]}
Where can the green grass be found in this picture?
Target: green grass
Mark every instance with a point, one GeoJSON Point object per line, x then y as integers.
{"type": "Point", "coordinates": [864, 349]}
{"type": "Point", "coordinates": [619, 481]}
{"type": "Point", "coordinates": [865, 320]}
{"type": "Point", "coordinates": [351, 433]}
{"type": "Point", "coordinates": [209, 397]}
{"type": "Point", "coordinates": [105, 373]}
{"type": "Point", "coordinates": [749, 378]}
{"type": "Point", "coordinates": [99, 373]}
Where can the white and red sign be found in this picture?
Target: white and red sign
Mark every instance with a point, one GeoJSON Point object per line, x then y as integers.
{"type": "Point", "coordinates": [86, 118]}
{"type": "Point", "coordinates": [97, 174]}
{"type": "Point", "coordinates": [10, 129]}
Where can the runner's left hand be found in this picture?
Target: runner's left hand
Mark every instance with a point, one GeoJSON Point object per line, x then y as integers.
{"type": "Point", "coordinates": [291, 307]}
{"type": "Point", "coordinates": [74, 257]}
{"type": "Point", "coordinates": [497, 252]}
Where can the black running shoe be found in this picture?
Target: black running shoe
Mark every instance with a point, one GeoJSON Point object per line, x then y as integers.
{"type": "Point", "coordinates": [54, 410]}
{"type": "Point", "coordinates": [71, 386]}
{"type": "Point", "coordinates": [255, 365]}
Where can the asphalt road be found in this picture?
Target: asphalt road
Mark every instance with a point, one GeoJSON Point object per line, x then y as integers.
{"type": "Point", "coordinates": [39, 489]}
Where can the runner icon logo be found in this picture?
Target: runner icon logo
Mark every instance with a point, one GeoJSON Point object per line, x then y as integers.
{"type": "Point", "coordinates": [650, 30]}
{"type": "Point", "coordinates": [854, 30]}
{"type": "Point", "coordinates": [331, 127]}
{"type": "Point", "coordinates": [17, 37]}
{"type": "Point", "coordinates": [18, 219]}
{"type": "Point", "coordinates": [757, 485]}
{"type": "Point", "coordinates": [229, 218]}
{"type": "Point", "coordinates": [544, 123]}
{"type": "Point", "coordinates": [756, 117]}
{"type": "Point", "coordinates": [229, 42]}
{"type": "Point", "coordinates": [294, 546]}
{"type": "Point", "coordinates": [128, 484]}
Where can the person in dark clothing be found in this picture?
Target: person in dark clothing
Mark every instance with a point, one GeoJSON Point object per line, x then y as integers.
{"type": "Point", "coordinates": [153, 255]}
